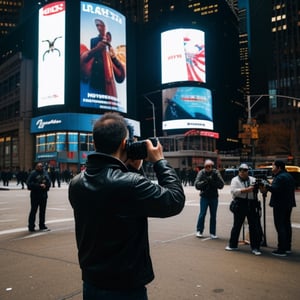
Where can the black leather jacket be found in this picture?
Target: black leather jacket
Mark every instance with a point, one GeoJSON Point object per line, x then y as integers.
{"type": "Point", "coordinates": [208, 183]}
{"type": "Point", "coordinates": [111, 206]}
{"type": "Point", "coordinates": [33, 184]}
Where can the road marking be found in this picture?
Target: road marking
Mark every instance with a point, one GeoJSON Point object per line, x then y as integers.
{"type": "Point", "coordinates": [8, 220]}
{"type": "Point", "coordinates": [8, 231]}
{"type": "Point", "coordinates": [175, 239]}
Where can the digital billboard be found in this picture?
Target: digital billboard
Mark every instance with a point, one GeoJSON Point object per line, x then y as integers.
{"type": "Point", "coordinates": [182, 55]}
{"type": "Point", "coordinates": [102, 58]}
{"type": "Point", "coordinates": [51, 55]}
{"type": "Point", "coordinates": [187, 108]}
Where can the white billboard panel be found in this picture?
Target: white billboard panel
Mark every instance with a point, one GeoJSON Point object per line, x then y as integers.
{"type": "Point", "coordinates": [183, 55]}
{"type": "Point", "coordinates": [51, 55]}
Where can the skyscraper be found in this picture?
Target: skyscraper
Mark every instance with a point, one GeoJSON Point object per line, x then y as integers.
{"type": "Point", "coordinates": [10, 16]}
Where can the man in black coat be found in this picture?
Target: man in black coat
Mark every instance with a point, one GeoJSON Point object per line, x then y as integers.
{"type": "Point", "coordinates": [38, 183]}
{"type": "Point", "coordinates": [282, 200]}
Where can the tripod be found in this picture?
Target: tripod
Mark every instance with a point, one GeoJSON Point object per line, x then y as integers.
{"type": "Point", "coordinates": [260, 229]}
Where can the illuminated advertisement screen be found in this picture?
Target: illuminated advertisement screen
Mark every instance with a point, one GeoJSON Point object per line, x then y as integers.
{"type": "Point", "coordinates": [182, 55]}
{"type": "Point", "coordinates": [51, 55]}
{"type": "Point", "coordinates": [102, 58]}
{"type": "Point", "coordinates": [187, 108]}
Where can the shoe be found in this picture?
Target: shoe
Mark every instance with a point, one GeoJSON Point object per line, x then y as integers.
{"type": "Point", "coordinates": [31, 230]}
{"type": "Point", "coordinates": [213, 236]}
{"type": "Point", "coordinates": [288, 251]}
{"type": "Point", "coordinates": [44, 229]}
{"type": "Point", "coordinates": [279, 253]}
{"type": "Point", "coordinates": [256, 252]}
{"type": "Point", "coordinates": [199, 234]}
{"type": "Point", "coordinates": [230, 249]}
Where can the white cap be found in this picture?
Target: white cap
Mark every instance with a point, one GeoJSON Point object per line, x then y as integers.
{"type": "Point", "coordinates": [208, 162]}
{"type": "Point", "coordinates": [243, 166]}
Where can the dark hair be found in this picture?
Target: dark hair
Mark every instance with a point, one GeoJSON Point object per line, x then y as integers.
{"type": "Point", "coordinates": [108, 132]}
{"type": "Point", "coordinates": [279, 164]}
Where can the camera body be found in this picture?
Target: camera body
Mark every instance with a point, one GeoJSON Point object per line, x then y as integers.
{"type": "Point", "coordinates": [260, 183]}
{"type": "Point", "coordinates": [138, 149]}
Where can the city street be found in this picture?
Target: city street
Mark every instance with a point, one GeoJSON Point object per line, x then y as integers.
{"type": "Point", "coordinates": [44, 265]}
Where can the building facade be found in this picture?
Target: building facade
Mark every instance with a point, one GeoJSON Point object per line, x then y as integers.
{"type": "Point", "coordinates": [16, 142]}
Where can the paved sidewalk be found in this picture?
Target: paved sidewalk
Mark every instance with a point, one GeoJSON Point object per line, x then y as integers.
{"type": "Point", "coordinates": [44, 265]}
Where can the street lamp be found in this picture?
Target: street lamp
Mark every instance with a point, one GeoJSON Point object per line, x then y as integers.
{"type": "Point", "coordinates": [153, 115]}
{"type": "Point", "coordinates": [252, 128]}
{"type": "Point", "coordinates": [153, 109]}
{"type": "Point", "coordinates": [250, 106]}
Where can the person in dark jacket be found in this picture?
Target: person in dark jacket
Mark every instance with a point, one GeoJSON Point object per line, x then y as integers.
{"type": "Point", "coordinates": [282, 200]}
{"type": "Point", "coordinates": [208, 181]}
{"type": "Point", "coordinates": [38, 183]}
{"type": "Point", "coordinates": [111, 206]}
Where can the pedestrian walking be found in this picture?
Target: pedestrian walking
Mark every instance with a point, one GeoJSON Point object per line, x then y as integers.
{"type": "Point", "coordinates": [38, 183]}
{"type": "Point", "coordinates": [208, 181]}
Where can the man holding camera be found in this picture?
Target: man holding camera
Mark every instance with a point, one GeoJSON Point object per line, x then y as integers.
{"type": "Point", "coordinates": [244, 190]}
{"type": "Point", "coordinates": [111, 206]}
{"type": "Point", "coordinates": [208, 181]}
{"type": "Point", "coordinates": [282, 201]}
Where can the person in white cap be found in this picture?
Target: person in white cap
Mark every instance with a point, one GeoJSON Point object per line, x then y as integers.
{"type": "Point", "coordinates": [208, 181]}
{"type": "Point", "coordinates": [242, 189]}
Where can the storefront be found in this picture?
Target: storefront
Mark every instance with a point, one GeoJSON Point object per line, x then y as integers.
{"type": "Point", "coordinates": [64, 140]}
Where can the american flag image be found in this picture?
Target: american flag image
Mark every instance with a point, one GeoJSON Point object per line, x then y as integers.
{"type": "Point", "coordinates": [195, 60]}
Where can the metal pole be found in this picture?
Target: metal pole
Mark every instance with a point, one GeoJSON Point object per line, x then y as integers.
{"type": "Point", "coordinates": [264, 242]}
{"type": "Point", "coordinates": [153, 115]}
{"type": "Point", "coordinates": [249, 109]}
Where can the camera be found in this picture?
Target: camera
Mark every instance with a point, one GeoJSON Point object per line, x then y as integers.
{"type": "Point", "coordinates": [260, 184]}
{"type": "Point", "coordinates": [138, 149]}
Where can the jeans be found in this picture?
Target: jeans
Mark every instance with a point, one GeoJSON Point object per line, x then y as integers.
{"type": "Point", "coordinates": [213, 205]}
{"type": "Point", "coordinates": [91, 292]}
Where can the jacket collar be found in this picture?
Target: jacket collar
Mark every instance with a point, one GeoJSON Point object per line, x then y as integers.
{"type": "Point", "coordinates": [102, 160]}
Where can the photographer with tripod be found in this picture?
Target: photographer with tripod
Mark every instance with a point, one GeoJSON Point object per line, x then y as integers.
{"type": "Point", "coordinates": [244, 191]}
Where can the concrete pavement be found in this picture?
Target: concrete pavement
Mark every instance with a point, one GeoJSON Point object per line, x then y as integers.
{"type": "Point", "coordinates": [44, 265]}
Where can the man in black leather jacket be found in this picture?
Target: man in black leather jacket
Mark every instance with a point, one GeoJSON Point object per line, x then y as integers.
{"type": "Point", "coordinates": [111, 206]}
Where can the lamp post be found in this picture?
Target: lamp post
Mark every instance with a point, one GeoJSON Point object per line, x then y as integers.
{"type": "Point", "coordinates": [250, 106]}
{"type": "Point", "coordinates": [249, 109]}
{"type": "Point", "coordinates": [153, 109]}
{"type": "Point", "coordinates": [153, 115]}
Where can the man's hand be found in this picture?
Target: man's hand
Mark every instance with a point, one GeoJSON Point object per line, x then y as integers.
{"type": "Point", "coordinates": [154, 153]}
{"type": "Point", "coordinates": [101, 45]}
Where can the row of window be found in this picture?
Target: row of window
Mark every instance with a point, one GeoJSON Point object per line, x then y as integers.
{"type": "Point", "coordinates": [64, 141]}
{"type": "Point", "coordinates": [74, 142]}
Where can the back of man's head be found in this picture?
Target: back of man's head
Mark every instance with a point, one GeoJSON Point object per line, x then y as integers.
{"type": "Point", "coordinates": [108, 132]}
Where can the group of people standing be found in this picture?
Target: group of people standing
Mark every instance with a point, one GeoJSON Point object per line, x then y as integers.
{"type": "Point", "coordinates": [244, 189]}
{"type": "Point", "coordinates": [112, 201]}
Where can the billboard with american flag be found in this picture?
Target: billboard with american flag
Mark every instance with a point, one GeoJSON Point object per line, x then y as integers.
{"type": "Point", "coordinates": [183, 55]}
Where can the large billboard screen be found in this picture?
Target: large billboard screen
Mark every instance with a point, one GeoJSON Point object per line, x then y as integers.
{"type": "Point", "coordinates": [102, 58]}
{"type": "Point", "coordinates": [187, 108]}
{"type": "Point", "coordinates": [51, 55]}
{"type": "Point", "coordinates": [182, 55]}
